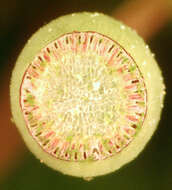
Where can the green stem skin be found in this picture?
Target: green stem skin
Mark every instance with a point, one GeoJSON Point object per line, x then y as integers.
{"type": "Point", "coordinates": [135, 46]}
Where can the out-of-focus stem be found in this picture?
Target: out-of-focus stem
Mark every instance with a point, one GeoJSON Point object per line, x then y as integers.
{"type": "Point", "coordinates": [147, 17]}
{"type": "Point", "coordinates": [11, 143]}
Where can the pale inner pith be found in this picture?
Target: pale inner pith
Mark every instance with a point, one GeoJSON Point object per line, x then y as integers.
{"type": "Point", "coordinates": [83, 97]}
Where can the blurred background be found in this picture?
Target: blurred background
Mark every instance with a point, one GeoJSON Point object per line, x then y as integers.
{"type": "Point", "coordinates": [19, 169]}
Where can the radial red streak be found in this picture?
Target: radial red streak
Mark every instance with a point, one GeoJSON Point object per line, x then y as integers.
{"type": "Point", "coordinates": [120, 70]}
{"type": "Point", "coordinates": [103, 49]}
{"type": "Point", "coordinates": [56, 55]}
{"type": "Point", "coordinates": [95, 44]}
{"type": "Point", "coordinates": [60, 44]}
{"type": "Point", "coordinates": [100, 147]}
{"type": "Point", "coordinates": [110, 62]}
{"type": "Point", "coordinates": [37, 64]}
{"type": "Point", "coordinates": [73, 146]}
{"type": "Point", "coordinates": [55, 143]}
{"type": "Point", "coordinates": [127, 77]}
{"type": "Point", "coordinates": [132, 118]}
{"type": "Point", "coordinates": [46, 57]}
{"type": "Point", "coordinates": [135, 97]}
{"type": "Point", "coordinates": [130, 86]}
{"type": "Point", "coordinates": [49, 134]}
{"type": "Point", "coordinates": [85, 42]}
{"type": "Point", "coordinates": [74, 46]}
{"type": "Point", "coordinates": [33, 73]}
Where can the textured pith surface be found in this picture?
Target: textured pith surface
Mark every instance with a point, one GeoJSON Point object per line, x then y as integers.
{"type": "Point", "coordinates": [83, 97]}
{"type": "Point", "coordinates": [134, 45]}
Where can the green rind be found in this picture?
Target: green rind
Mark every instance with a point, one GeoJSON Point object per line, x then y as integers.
{"type": "Point", "coordinates": [135, 46]}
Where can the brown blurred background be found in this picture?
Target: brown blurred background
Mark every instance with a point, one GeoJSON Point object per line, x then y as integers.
{"type": "Point", "coordinates": [19, 19]}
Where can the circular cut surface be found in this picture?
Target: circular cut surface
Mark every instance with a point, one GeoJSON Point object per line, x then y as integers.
{"type": "Point", "coordinates": [83, 97]}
